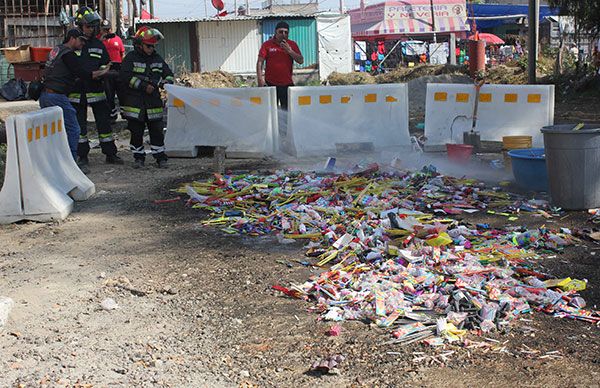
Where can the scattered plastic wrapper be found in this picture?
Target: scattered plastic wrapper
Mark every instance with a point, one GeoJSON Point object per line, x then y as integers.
{"type": "Point", "coordinates": [391, 255]}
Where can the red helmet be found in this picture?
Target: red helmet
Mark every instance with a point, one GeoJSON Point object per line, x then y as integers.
{"type": "Point", "coordinates": [148, 35]}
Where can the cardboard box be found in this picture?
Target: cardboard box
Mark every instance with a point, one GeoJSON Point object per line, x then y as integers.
{"type": "Point", "coordinates": [17, 54]}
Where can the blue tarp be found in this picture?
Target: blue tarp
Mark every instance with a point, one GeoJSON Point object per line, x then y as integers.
{"type": "Point", "coordinates": [490, 10]}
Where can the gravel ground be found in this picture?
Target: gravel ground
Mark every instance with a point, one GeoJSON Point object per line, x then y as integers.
{"type": "Point", "coordinates": [195, 308]}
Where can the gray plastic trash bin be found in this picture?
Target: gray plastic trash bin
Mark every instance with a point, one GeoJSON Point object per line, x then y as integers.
{"type": "Point", "coordinates": [573, 164]}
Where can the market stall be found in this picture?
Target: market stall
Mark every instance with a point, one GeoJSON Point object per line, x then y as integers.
{"type": "Point", "coordinates": [383, 27]}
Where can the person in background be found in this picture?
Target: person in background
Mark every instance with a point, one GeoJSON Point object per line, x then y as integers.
{"type": "Point", "coordinates": [596, 59]}
{"type": "Point", "coordinates": [116, 51]}
{"type": "Point", "coordinates": [93, 56]}
{"type": "Point", "coordinates": [60, 72]}
{"type": "Point", "coordinates": [519, 49]}
{"type": "Point", "coordinates": [280, 53]}
{"type": "Point", "coordinates": [143, 72]}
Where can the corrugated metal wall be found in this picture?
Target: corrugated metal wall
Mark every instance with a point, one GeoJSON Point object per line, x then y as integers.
{"type": "Point", "coordinates": [231, 46]}
{"type": "Point", "coordinates": [175, 48]}
{"type": "Point", "coordinates": [302, 31]}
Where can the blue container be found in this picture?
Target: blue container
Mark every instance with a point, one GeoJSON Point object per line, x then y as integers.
{"type": "Point", "coordinates": [529, 168]}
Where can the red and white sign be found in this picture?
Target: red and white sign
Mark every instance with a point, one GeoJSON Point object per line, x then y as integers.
{"type": "Point", "coordinates": [410, 17]}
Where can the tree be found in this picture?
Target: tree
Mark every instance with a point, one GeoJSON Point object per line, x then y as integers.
{"type": "Point", "coordinates": [586, 15]}
{"type": "Point", "coordinates": [585, 12]}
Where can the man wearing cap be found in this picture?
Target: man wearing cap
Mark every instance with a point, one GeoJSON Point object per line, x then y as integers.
{"type": "Point", "coordinates": [280, 53]}
{"type": "Point", "coordinates": [116, 51]}
{"type": "Point", "coordinates": [60, 72]}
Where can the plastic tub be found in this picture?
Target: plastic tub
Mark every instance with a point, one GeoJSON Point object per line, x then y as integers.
{"type": "Point", "coordinates": [529, 168]}
{"type": "Point", "coordinates": [516, 142]}
{"type": "Point", "coordinates": [460, 153]}
{"type": "Point", "coordinates": [573, 161]}
{"type": "Point", "coordinates": [40, 54]}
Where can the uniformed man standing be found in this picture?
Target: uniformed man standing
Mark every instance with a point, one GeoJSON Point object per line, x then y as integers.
{"type": "Point", "coordinates": [90, 92]}
{"type": "Point", "coordinates": [61, 70]}
{"type": "Point", "coordinates": [143, 72]}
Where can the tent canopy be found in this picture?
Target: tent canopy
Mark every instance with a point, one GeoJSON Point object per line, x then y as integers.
{"type": "Point", "coordinates": [409, 17]}
{"type": "Point", "coordinates": [488, 38]}
{"type": "Point", "coordinates": [493, 15]}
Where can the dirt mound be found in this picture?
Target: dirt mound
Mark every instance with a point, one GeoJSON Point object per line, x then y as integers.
{"type": "Point", "coordinates": [503, 74]}
{"type": "Point", "coordinates": [401, 74]}
{"type": "Point", "coordinates": [405, 74]}
{"type": "Point", "coordinates": [336, 78]}
{"type": "Point", "coordinates": [212, 79]}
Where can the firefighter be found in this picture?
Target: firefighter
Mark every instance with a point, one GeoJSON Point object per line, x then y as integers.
{"type": "Point", "coordinates": [143, 72]}
{"type": "Point", "coordinates": [90, 92]}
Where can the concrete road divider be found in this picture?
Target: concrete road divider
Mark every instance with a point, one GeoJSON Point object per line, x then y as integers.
{"type": "Point", "coordinates": [41, 178]}
{"type": "Point", "coordinates": [325, 118]}
{"type": "Point", "coordinates": [244, 120]}
{"type": "Point", "coordinates": [503, 110]}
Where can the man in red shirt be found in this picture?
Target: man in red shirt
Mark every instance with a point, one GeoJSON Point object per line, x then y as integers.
{"type": "Point", "coordinates": [116, 51]}
{"type": "Point", "coordinates": [280, 54]}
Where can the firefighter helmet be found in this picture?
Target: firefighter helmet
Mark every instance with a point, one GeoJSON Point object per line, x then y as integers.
{"type": "Point", "coordinates": [86, 15]}
{"type": "Point", "coordinates": [147, 35]}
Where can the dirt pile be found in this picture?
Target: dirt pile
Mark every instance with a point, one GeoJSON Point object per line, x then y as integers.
{"type": "Point", "coordinates": [503, 74]}
{"type": "Point", "coordinates": [211, 79]}
{"type": "Point", "coordinates": [401, 74]}
{"type": "Point", "coordinates": [336, 78]}
{"type": "Point", "coordinates": [405, 74]}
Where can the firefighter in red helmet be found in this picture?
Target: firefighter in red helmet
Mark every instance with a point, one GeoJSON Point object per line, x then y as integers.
{"type": "Point", "coordinates": [142, 74]}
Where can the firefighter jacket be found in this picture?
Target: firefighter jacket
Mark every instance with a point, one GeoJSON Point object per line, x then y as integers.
{"type": "Point", "coordinates": [92, 57]}
{"type": "Point", "coordinates": [138, 71]}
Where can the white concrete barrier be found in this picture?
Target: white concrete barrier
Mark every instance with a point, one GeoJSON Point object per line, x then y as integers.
{"type": "Point", "coordinates": [503, 110]}
{"type": "Point", "coordinates": [322, 117]}
{"type": "Point", "coordinates": [41, 176]}
{"type": "Point", "coordinates": [242, 119]}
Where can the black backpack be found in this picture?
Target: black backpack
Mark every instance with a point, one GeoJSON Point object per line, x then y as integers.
{"type": "Point", "coordinates": [35, 89]}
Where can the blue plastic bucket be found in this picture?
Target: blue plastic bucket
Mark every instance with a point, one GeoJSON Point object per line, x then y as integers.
{"type": "Point", "coordinates": [529, 168]}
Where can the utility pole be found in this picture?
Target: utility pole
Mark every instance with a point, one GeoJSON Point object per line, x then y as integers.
{"type": "Point", "coordinates": [433, 21]}
{"type": "Point", "coordinates": [341, 7]}
{"type": "Point", "coordinates": [534, 17]}
{"type": "Point", "coordinates": [118, 16]}
{"type": "Point", "coordinates": [151, 7]}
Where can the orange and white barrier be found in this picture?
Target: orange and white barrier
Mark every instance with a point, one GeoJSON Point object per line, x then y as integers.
{"type": "Point", "coordinates": [41, 178]}
{"type": "Point", "coordinates": [244, 120]}
{"type": "Point", "coordinates": [503, 110]}
{"type": "Point", "coordinates": [321, 117]}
